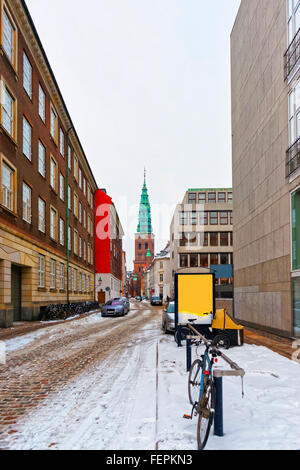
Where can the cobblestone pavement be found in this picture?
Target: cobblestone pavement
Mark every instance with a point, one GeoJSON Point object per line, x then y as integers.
{"type": "Point", "coordinates": [47, 364]}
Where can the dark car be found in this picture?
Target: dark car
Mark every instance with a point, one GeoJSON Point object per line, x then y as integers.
{"type": "Point", "coordinates": [126, 303]}
{"type": "Point", "coordinates": [113, 308]}
{"type": "Point", "coordinates": [156, 301]}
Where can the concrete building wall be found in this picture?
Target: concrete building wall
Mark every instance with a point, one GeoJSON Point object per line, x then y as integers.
{"type": "Point", "coordinates": [262, 248]}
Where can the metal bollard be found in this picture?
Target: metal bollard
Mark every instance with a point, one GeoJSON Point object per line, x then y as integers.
{"type": "Point", "coordinates": [188, 355]}
{"type": "Point", "coordinates": [218, 422]}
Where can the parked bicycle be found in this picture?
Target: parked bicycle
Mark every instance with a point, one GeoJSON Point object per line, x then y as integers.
{"type": "Point", "coordinates": [201, 387]}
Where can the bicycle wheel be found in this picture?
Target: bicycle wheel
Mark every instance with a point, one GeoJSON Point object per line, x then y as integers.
{"type": "Point", "coordinates": [206, 413]}
{"type": "Point", "coordinates": [194, 381]}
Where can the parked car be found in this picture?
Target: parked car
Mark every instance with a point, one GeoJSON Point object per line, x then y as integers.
{"type": "Point", "coordinates": [156, 301]}
{"type": "Point", "coordinates": [168, 318]}
{"type": "Point", "coordinates": [126, 303]}
{"type": "Point", "coordinates": [139, 298]}
{"type": "Point", "coordinates": [113, 308]}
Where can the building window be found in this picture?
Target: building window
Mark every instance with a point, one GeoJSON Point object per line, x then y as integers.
{"type": "Point", "coordinates": [27, 138]}
{"type": "Point", "coordinates": [42, 159]}
{"type": "Point", "coordinates": [69, 238]}
{"type": "Point", "coordinates": [193, 260]}
{"type": "Point", "coordinates": [61, 231]}
{"type": "Point", "coordinates": [52, 274]}
{"type": "Point", "coordinates": [80, 178]}
{"type": "Point", "coordinates": [41, 271]}
{"type": "Point", "coordinates": [27, 75]}
{"type": "Point", "coordinates": [8, 187]}
{"type": "Point", "coordinates": [53, 224]}
{"type": "Point", "coordinates": [75, 205]}
{"type": "Point", "coordinates": [26, 203]}
{"type": "Point", "coordinates": [62, 143]}
{"type": "Point", "coordinates": [229, 198]}
{"type": "Point", "coordinates": [42, 215]}
{"type": "Point", "coordinates": [62, 187]}
{"type": "Point", "coordinates": [42, 104]}
{"type": "Point", "coordinates": [183, 261]}
{"type": "Point", "coordinates": [293, 19]}
{"type": "Point", "coordinates": [294, 114]}
{"type": "Point", "coordinates": [192, 198]}
{"type": "Point", "coordinates": [224, 238]}
{"type": "Point", "coordinates": [193, 218]}
{"type": "Point", "coordinates": [69, 157]}
{"type": "Point", "coordinates": [213, 218]}
{"type": "Point", "coordinates": [75, 242]}
{"type": "Point", "coordinates": [89, 283]}
{"type": "Point", "coordinates": [69, 198]}
{"type": "Point", "coordinates": [84, 186]}
{"type": "Point", "coordinates": [231, 217]}
{"type": "Point", "coordinates": [84, 218]}
{"type": "Point", "coordinates": [224, 218]}
{"type": "Point", "coordinates": [89, 224]}
{"type": "Point", "coordinates": [214, 239]}
{"type": "Point", "coordinates": [214, 258]}
{"type": "Point", "coordinates": [75, 280]}
{"type": "Point", "coordinates": [212, 198]}
{"type": "Point", "coordinates": [80, 212]}
{"type": "Point", "coordinates": [8, 112]}
{"type": "Point", "coordinates": [80, 247]}
{"type": "Point", "coordinates": [222, 197]}
{"type": "Point", "coordinates": [61, 276]}
{"type": "Point", "coordinates": [204, 260]}
{"type": "Point", "coordinates": [183, 218]}
{"type": "Point", "coordinates": [161, 278]}
{"type": "Point", "coordinates": [53, 124]}
{"type": "Point", "coordinates": [80, 281]}
{"type": "Point", "coordinates": [203, 238]}
{"type": "Point", "coordinates": [53, 171]}
{"type": "Point", "coordinates": [224, 258]}
{"type": "Point", "coordinates": [202, 198]}
{"type": "Point", "coordinates": [203, 218]}
{"type": "Point", "coordinates": [9, 38]}
{"type": "Point", "coordinates": [75, 167]}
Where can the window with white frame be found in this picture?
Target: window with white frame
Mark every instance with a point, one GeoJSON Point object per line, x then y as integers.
{"type": "Point", "coordinates": [80, 178]}
{"type": "Point", "coordinates": [53, 168]}
{"type": "Point", "coordinates": [26, 203]}
{"type": "Point", "coordinates": [27, 138]}
{"type": "Point", "coordinates": [7, 187]}
{"type": "Point", "coordinates": [62, 187]}
{"type": "Point", "coordinates": [80, 247]}
{"type": "Point", "coordinates": [27, 75]}
{"type": "Point", "coordinates": [75, 242]}
{"type": "Point", "coordinates": [84, 251]}
{"type": "Point", "coordinates": [69, 157]}
{"type": "Point", "coordinates": [84, 186]}
{"type": "Point", "coordinates": [293, 18]}
{"type": "Point", "coordinates": [69, 198]}
{"type": "Point", "coordinates": [80, 281]}
{"type": "Point", "coordinates": [9, 37]}
{"type": "Point", "coordinates": [42, 104]}
{"type": "Point", "coordinates": [69, 278]}
{"type": "Point", "coordinates": [41, 215]}
{"type": "Point", "coordinates": [8, 112]}
{"type": "Point", "coordinates": [61, 231]}
{"type": "Point", "coordinates": [80, 212]}
{"type": "Point", "coordinates": [53, 223]}
{"type": "Point", "coordinates": [75, 205]}
{"type": "Point", "coordinates": [84, 218]}
{"type": "Point", "coordinates": [69, 236]}
{"type": "Point", "coordinates": [84, 283]}
{"type": "Point", "coordinates": [42, 159]}
{"type": "Point", "coordinates": [294, 114]}
{"type": "Point", "coordinates": [53, 124]}
{"type": "Point", "coordinates": [62, 143]}
{"type": "Point", "coordinates": [52, 274]}
{"type": "Point", "coordinates": [75, 280]}
{"type": "Point", "coordinates": [41, 271]}
{"type": "Point", "coordinates": [75, 167]}
{"type": "Point", "coordinates": [61, 276]}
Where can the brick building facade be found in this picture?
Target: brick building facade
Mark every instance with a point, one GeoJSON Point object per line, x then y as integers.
{"type": "Point", "coordinates": [37, 145]}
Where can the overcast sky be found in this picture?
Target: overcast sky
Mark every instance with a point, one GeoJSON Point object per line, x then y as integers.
{"type": "Point", "coordinates": [147, 83]}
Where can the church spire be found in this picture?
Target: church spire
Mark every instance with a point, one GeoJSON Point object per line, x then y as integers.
{"type": "Point", "coordinates": [144, 225]}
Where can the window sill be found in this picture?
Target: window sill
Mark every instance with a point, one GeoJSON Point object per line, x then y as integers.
{"type": "Point", "coordinates": [9, 136]}
{"type": "Point", "coordinates": [5, 209]}
{"type": "Point", "coordinates": [42, 289]}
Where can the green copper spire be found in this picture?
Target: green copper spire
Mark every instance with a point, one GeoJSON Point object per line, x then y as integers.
{"type": "Point", "coordinates": [144, 225]}
{"type": "Point", "coordinates": [149, 253]}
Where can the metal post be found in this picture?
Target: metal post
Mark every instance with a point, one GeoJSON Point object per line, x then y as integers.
{"type": "Point", "coordinates": [218, 422]}
{"type": "Point", "coordinates": [188, 354]}
{"type": "Point", "coordinates": [179, 337]}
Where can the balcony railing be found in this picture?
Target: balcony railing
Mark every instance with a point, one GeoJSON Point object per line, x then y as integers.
{"type": "Point", "coordinates": [293, 158]}
{"type": "Point", "coordinates": [292, 55]}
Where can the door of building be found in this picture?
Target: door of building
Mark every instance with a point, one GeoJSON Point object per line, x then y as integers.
{"type": "Point", "coordinates": [16, 289]}
{"type": "Point", "coordinates": [101, 297]}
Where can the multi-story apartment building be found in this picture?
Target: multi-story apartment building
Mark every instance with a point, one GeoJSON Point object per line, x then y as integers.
{"type": "Point", "coordinates": [46, 249]}
{"type": "Point", "coordinates": [201, 237]}
{"type": "Point", "coordinates": [109, 255]}
{"type": "Point", "coordinates": [265, 56]}
{"type": "Point", "coordinates": [158, 275]}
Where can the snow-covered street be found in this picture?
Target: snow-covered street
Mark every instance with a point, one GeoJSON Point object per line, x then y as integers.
{"type": "Point", "coordinates": [91, 384]}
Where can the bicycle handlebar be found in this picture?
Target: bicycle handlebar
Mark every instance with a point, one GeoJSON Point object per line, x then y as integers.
{"type": "Point", "coordinates": [208, 343]}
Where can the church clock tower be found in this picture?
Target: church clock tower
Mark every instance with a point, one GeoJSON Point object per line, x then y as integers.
{"type": "Point", "coordinates": [144, 239]}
